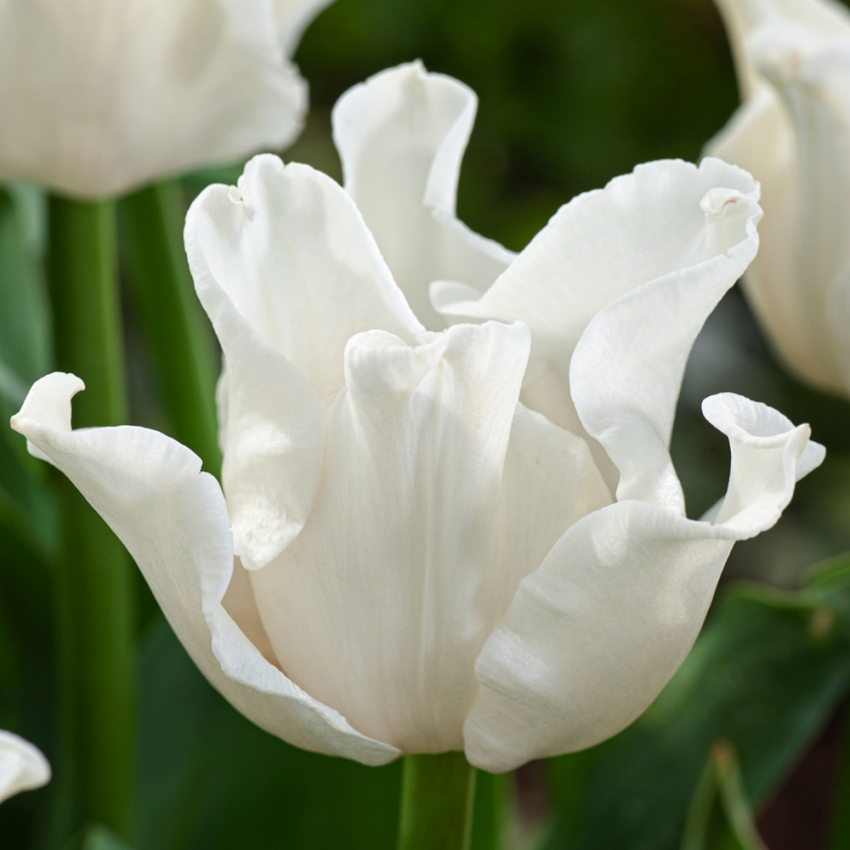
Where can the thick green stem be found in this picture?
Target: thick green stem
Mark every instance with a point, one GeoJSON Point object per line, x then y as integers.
{"type": "Point", "coordinates": [436, 803]}
{"type": "Point", "coordinates": [174, 322]}
{"type": "Point", "coordinates": [93, 574]}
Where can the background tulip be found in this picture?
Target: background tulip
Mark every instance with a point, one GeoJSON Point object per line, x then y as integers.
{"type": "Point", "coordinates": [97, 97]}
{"type": "Point", "coordinates": [793, 62]}
{"type": "Point", "coordinates": [22, 766]}
{"type": "Point", "coordinates": [424, 563]}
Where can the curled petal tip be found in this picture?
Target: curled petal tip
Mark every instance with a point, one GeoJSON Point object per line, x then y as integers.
{"type": "Point", "coordinates": [23, 767]}
{"type": "Point", "coordinates": [48, 402]}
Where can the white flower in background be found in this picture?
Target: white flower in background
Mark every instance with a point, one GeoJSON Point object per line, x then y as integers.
{"type": "Point", "coordinates": [423, 562]}
{"type": "Point", "coordinates": [793, 133]}
{"type": "Point", "coordinates": [22, 766]}
{"type": "Point", "coordinates": [97, 97]}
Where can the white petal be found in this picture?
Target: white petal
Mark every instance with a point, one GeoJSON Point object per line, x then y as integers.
{"type": "Point", "coordinates": [431, 509]}
{"type": "Point", "coordinates": [97, 97]}
{"type": "Point", "coordinates": [22, 766]}
{"type": "Point", "coordinates": [401, 136]}
{"type": "Point", "coordinates": [270, 430]}
{"type": "Point", "coordinates": [793, 136]}
{"type": "Point", "coordinates": [825, 18]}
{"type": "Point", "coordinates": [291, 252]}
{"type": "Point", "coordinates": [173, 520]}
{"type": "Point", "coordinates": [240, 604]}
{"type": "Point", "coordinates": [596, 632]}
{"type": "Point", "coordinates": [627, 369]}
{"type": "Point", "coordinates": [379, 606]}
{"type": "Point", "coordinates": [665, 220]}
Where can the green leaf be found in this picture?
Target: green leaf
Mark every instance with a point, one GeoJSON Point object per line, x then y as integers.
{"type": "Point", "coordinates": [719, 817]}
{"type": "Point", "coordinates": [765, 674]}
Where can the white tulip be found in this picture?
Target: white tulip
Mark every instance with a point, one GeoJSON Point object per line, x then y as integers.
{"type": "Point", "coordinates": [22, 766]}
{"type": "Point", "coordinates": [423, 562]}
{"type": "Point", "coordinates": [98, 97]}
{"type": "Point", "coordinates": [793, 133]}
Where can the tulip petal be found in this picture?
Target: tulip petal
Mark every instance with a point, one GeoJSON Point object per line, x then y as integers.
{"type": "Point", "coordinates": [825, 18]}
{"type": "Point", "coordinates": [627, 369]}
{"type": "Point", "coordinates": [173, 520]}
{"type": "Point", "coordinates": [595, 633]}
{"type": "Point", "coordinates": [290, 250]}
{"type": "Point", "coordinates": [793, 136]}
{"type": "Point", "coordinates": [106, 96]}
{"type": "Point", "coordinates": [667, 219]}
{"type": "Point", "coordinates": [270, 433]}
{"type": "Point", "coordinates": [401, 136]}
{"type": "Point", "coordinates": [418, 537]}
{"type": "Point", "coordinates": [22, 766]}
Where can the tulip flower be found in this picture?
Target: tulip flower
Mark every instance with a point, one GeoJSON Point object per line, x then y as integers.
{"type": "Point", "coordinates": [406, 557]}
{"type": "Point", "coordinates": [98, 97]}
{"type": "Point", "coordinates": [792, 133]}
{"type": "Point", "coordinates": [22, 766]}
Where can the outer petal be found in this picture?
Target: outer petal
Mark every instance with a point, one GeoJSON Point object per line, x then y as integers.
{"type": "Point", "coordinates": [401, 136]}
{"type": "Point", "coordinates": [665, 221]}
{"type": "Point", "coordinates": [22, 766]}
{"type": "Point", "coordinates": [430, 510]}
{"type": "Point", "coordinates": [270, 428]}
{"type": "Point", "coordinates": [596, 632]}
{"type": "Point", "coordinates": [97, 97]}
{"type": "Point", "coordinates": [290, 250]}
{"type": "Point", "coordinates": [173, 520]}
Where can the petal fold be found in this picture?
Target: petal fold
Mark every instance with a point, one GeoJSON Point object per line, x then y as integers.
{"type": "Point", "coordinates": [626, 371]}
{"type": "Point", "coordinates": [173, 520]}
{"type": "Point", "coordinates": [667, 223]}
{"type": "Point", "coordinates": [401, 136]}
{"type": "Point", "coordinates": [595, 633]}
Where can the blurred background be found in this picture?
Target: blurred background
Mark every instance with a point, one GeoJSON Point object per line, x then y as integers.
{"type": "Point", "coordinates": [571, 94]}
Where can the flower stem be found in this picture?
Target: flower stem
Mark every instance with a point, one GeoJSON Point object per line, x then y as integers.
{"type": "Point", "coordinates": [436, 802]}
{"type": "Point", "coordinates": [174, 322]}
{"type": "Point", "coordinates": [93, 581]}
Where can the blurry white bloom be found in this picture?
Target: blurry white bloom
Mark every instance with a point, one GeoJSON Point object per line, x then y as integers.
{"type": "Point", "coordinates": [424, 562]}
{"type": "Point", "coordinates": [22, 766]}
{"type": "Point", "coordinates": [97, 97]}
{"type": "Point", "coordinates": [793, 133]}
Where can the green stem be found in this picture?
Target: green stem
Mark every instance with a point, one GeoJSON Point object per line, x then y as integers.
{"type": "Point", "coordinates": [93, 574]}
{"type": "Point", "coordinates": [174, 323]}
{"type": "Point", "coordinates": [436, 803]}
